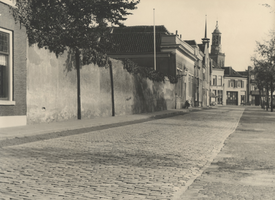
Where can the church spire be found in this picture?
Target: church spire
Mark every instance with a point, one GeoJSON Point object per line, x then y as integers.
{"type": "Point", "coordinates": [205, 39]}
{"type": "Point", "coordinates": [205, 34]}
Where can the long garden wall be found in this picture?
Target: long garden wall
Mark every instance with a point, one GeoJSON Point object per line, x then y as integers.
{"type": "Point", "coordinates": [51, 90]}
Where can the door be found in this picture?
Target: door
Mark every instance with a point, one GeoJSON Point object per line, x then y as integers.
{"type": "Point", "coordinates": [220, 96]}
{"type": "Point", "coordinates": [257, 100]}
{"type": "Point", "coordinates": [242, 99]}
{"type": "Point", "coordinates": [232, 98]}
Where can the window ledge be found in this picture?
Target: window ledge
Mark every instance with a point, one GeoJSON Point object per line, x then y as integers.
{"type": "Point", "coordinates": [7, 103]}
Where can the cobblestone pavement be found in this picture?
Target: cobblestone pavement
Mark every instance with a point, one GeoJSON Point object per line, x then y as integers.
{"type": "Point", "coordinates": [153, 160]}
{"type": "Point", "coordinates": [245, 167]}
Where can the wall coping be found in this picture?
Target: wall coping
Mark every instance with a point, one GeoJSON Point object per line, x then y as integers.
{"type": "Point", "coordinates": [9, 2]}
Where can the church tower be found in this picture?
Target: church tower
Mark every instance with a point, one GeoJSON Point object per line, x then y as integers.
{"type": "Point", "coordinates": [216, 48]}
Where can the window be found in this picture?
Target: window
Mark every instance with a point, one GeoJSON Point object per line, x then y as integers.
{"type": "Point", "coordinates": [214, 80]}
{"type": "Point", "coordinates": [219, 80]}
{"type": "Point", "coordinates": [190, 85]}
{"type": "Point", "coordinates": [232, 83]}
{"type": "Point", "coordinates": [239, 84]}
{"type": "Point", "coordinates": [252, 77]}
{"type": "Point", "coordinates": [242, 84]}
{"type": "Point", "coordinates": [5, 66]}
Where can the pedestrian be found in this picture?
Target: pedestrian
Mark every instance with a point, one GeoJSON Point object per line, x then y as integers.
{"type": "Point", "coordinates": [187, 104]}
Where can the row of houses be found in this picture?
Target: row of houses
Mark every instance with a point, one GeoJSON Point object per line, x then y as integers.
{"type": "Point", "coordinates": [37, 87]}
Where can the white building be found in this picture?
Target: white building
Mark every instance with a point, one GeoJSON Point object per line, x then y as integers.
{"type": "Point", "coordinates": [234, 87]}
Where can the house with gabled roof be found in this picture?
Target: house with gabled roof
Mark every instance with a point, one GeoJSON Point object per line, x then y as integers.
{"type": "Point", "coordinates": [235, 91]}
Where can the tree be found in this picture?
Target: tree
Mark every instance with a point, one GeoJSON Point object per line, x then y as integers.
{"type": "Point", "coordinates": [268, 6]}
{"type": "Point", "coordinates": [261, 78]}
{"type": "Point", "coordinates": [259, 82]}
{"type": "Point", "coordinates": [83, 27]}
{"type": "Point", "coordinates": [264, 64]}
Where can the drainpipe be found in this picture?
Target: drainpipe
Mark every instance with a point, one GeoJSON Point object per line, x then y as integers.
{"type": "Point", "coordinates": [248, 85]}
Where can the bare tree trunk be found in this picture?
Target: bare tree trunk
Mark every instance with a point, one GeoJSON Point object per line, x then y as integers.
{"type": "Point", "coordinates": [267, 99]}
{"type": "Point", "coordinates": [261, 101]}
{"type": "Point", "coordinates": [112, 87]}
{"type": "Point", "coordinates": [77, 62]}
{"type": "Point", "coordinates": [272, 90]}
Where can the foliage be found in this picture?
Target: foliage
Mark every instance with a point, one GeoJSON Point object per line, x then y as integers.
{"type": "Point", "coordinates": [264, 65]}
{"type": "Point", "coordinates": [59, 25]}
{"type": "Point", "coordinates": [149, 73]}
{"type": "Point", "coordinates": [268, 6]}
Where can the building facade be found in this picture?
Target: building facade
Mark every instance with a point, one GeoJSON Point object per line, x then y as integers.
{"type": "Point", "coordinates": [13, 47]}
{"type": "Point", "coordinates": [253, 93]}
{"type": "Point", "coordinates": [197, 79]}
{"type": "Point", "coordinates": [217, 86]}
{"type": "Point", "coordinates": [235, 91]}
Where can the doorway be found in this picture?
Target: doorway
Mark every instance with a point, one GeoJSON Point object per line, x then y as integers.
{"type": "Point", "coordinates": [232, 98]}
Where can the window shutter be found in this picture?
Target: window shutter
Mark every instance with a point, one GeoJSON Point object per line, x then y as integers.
{"type": "Point", "coordinates": [228, 83]}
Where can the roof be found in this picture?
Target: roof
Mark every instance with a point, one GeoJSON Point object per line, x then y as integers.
{"type": "Point", "coordinates": [137, 39]}
{"type": "Point", "coordinates": [230, 72]}
{"type": "Point", "coordinates": [217, 31]}
{"type": "Point", "coordinates": [201, 46]}
{"type": "Point", "coordinates": [140, 29]}
{"type": "Point", "coordinates": [190, 42]}
{"type": "Point", "coordinates": [243, 73]}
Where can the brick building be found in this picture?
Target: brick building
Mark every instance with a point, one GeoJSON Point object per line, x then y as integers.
{"type": "Point", "coordinates": [12, 68]}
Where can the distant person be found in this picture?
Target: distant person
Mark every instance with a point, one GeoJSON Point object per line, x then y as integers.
{"type": "Point", "coordinates": [187, 104]}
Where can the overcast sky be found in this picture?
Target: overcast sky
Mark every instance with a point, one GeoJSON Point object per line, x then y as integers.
{"type": "Point", "coordinates": [241, 22]}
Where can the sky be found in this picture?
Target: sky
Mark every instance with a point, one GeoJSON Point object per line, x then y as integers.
{"type": "Point", "coordinates": [241, 22]}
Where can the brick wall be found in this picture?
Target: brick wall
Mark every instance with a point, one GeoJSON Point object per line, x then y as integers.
{"type": "Point", "coordinates": [19, 63]}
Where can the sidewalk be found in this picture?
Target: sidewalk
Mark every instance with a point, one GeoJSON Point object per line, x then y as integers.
{"type": "Point", "coordinates": [86, 124]}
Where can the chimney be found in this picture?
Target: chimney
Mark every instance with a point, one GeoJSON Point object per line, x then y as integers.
{"type": "Point", "coordinates": [176, 32]}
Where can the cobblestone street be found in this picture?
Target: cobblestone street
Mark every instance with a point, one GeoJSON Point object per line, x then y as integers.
{"type": "Point", "coordinates": [157, 159]}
